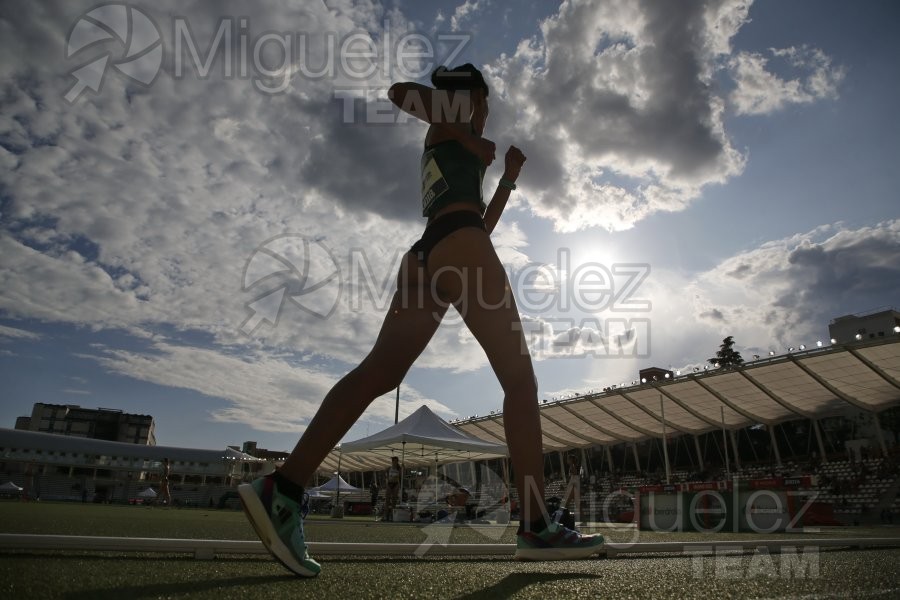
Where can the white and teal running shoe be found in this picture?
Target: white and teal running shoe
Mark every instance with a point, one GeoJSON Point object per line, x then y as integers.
{"type": "Point", "coordinates": [278, 521]}
{"type": "Point", "coordinates": [557, 542]}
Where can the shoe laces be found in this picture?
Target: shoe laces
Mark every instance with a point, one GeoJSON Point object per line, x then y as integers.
{"type": "Point", "coordinates": [557, 519]}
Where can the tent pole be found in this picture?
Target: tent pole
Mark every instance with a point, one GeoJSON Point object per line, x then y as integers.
{"type": "Point", "coordinates": [338, 512]}
{"type": "Point", "coordinates": [402, 473]}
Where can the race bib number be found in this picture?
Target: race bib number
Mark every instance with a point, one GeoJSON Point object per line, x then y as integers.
{"type": "Point", "coordinates": [433, 182]}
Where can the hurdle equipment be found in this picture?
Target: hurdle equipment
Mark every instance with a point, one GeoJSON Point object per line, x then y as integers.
{"type": "Point", "coordinates": [209, 549]}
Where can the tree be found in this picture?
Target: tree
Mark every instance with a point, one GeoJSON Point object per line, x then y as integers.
{"type": "Point", "coordinates": [726, 356]}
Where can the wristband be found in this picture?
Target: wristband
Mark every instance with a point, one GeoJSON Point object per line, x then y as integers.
{"type": "Point", "coordinates": [506, 183]}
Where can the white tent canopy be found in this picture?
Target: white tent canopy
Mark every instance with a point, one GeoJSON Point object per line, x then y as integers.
{"type": "Point", "coordinates": [334, 484]}
{"type": "Point", "coordinates": [148, 493]}
{"type": "Point", "coordinates": [422, 438]}
{"type": "Point", "coordinates": [9, 486]}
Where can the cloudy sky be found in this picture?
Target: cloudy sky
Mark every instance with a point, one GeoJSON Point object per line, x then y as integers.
{"type": "Point", "coordinates": [195, 227]}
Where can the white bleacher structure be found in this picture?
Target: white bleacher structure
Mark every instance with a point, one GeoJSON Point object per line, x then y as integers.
{"type": "Point", "coordinates": [724, 408]}
{"type": "Point", "coordinates": [810, 384]}
{"type": "Point", "coordinates": [59, 467]}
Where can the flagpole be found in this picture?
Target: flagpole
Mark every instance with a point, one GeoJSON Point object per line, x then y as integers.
{"type": "Point", "coordinates": [402, 471]}
{"type": "Point", "coordinates": [338, 511]}
{"type": "Point", "coordinates": [397, 407]}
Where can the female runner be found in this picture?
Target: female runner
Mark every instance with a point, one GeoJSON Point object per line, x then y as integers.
{"type": "Point", "coordinates": [453, 263]}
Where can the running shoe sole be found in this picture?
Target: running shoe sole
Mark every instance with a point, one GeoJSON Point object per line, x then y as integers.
{"type": "Point", "coordinates": [256, 514]}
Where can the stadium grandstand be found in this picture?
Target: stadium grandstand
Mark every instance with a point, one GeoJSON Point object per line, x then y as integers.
{"type": "Point", "coordinates": [828, 416]}
{"type": "Point", "coordinates": [51, 466]}
{"type": "Point", "coordinates": [830, 412]}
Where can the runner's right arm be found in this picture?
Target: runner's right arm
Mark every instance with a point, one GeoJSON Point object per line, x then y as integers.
{"type": "Point", "coordinates": [448, 113]}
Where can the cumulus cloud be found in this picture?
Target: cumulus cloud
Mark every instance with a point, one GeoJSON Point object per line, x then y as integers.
{"type": "Point", "coordinates": [618, 110]}
{"type": "Point", "coordinates": [143, 205]}
{"type": "Point", "coordinates": [787, 291]}
{"type": "Point", "coordinates": [778, 294]}
{"type": "Point", "coordinates": [264, 391]}
{"type": "Point", "coordinates": [464, 12]}
{"type": "Point", "coordinates": [759, 90]}
{"type": "Point", "coordinates": [63, 288]}
{"type": "Point", "coordinates": [615, 107]}
{"type": "Point", "coordinates": [139, 208]}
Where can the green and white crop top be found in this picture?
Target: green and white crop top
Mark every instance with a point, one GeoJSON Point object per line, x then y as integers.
{"type": "Point", "coordinates": [450, 173]}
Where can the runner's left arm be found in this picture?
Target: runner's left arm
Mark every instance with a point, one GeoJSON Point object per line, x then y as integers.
{"type": "Point", "coordinates": [513, 164]}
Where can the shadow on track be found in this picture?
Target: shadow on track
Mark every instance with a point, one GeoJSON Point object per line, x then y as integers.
{"type": "Point", "coordinates": [516, 582]}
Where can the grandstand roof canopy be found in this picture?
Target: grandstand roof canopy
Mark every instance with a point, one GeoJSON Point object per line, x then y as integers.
{"type": "Point", "coordinates": [811, 384]}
